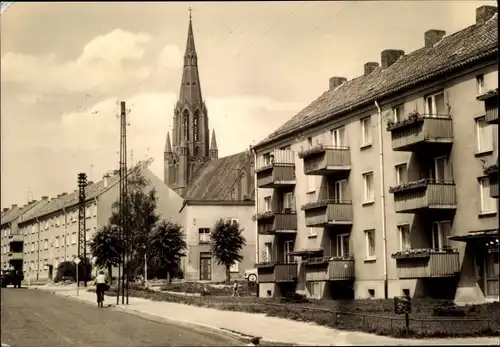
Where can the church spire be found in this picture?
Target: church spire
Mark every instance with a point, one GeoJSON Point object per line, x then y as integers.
{"type": "Point", "coordinates": [214, 152]}
{"type": "Point", "coordinates": [168, 145]}
{"type": "Point", "coordinates": [190, 91]}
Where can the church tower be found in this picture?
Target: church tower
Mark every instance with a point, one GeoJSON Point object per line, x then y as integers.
{"type": "Point", "coordinates": [190, 133]}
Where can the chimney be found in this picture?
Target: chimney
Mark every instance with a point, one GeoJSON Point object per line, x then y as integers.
{"type": "Point", "coordinates": [390, 56]}
{"type": "Point", "coordinates": [336, 81]}
{"type": "Point", "coordinates": [14, 205]}
{"type": "Point", "coordinates": [116, 172]}
{"type": "Point", "coordinates": [484, 13]}
{"type": "Point", "coordinates": [63, 194]}
{"type": "Point", "coordinates": [105, 180]}
{"type": "Point", "coordinates": [432, 37]}
{"type": "Point", "coordinates": [89, 183]}
{"type": "Point", "coordinates": [5, 209]}
{"type": "Point", "coordinates": [58, 195]}
{"type": "Point", "coordinates": [370, 67]}
{"type": "Point", "coordinates": [45, 198]}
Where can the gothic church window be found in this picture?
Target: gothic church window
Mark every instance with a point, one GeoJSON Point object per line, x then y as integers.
{"type": "Point", "coordinates": [186, 125]}
{"type": "Point", "coordinates": [233, 194]}
{"type": "Point", "coordinates": [243, 185]}
{"type": "Point", "coordinates": [195, 126]}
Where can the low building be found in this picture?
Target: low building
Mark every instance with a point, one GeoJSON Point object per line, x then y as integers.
{"type": "Point", "coordinates": [51, 232]}
{"type": "Point", "coordinates": [368, 191]}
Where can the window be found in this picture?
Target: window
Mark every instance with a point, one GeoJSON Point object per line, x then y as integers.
{"type": "Point", "coordinates": [73, 238]}
{"type": "Point", "coordinates": [401, 174]}
{"type": "Point", "coordinates": [288, 202]}
{"type": "Point", "coordinates": [338, 138]}
{"type": "Point", "coordinates": [288, 249]}
{"type": "Point", "coordinates": [440, 232]}
{"type": "Point", "coordinates": [480, 84]}
{"type": "Point", "coordinates": [46, 244]}
{"type": "Point", "coordinates": [32, 246]}
{"type": "Point", "coordinates": [484, 135]}
{"type": "Point", "coordinates": [33, 229]}
{"type": "Point", "coordinates": [439, 169]}
{"type": "Point", "coordinates": [366, 131]}
{"type": "Point", "coordinates": [435, 105]}
{"type": "Point", "coordinates": [267, 204]}
{"type": "Point", "coordinates": [368, 185]}
{"type": "Point", "coordinates": [286, 148]}
{"type": "Point", "coordinates": [268, 251]}
{"type": "Point", "coordinates": [204, 235]}
{"type": "Point", "coordinates": [95, 210]}
{"type": "Point", "coordinates": [398, 113]}
{"type": "Point", "coordinates": [267, 159]}
{"type": "Point", "coordinates": [87, 211]}
{"type": "Point", "coordinates": [233, 194]}
{"type": "Point", "coordinates": [488, 204]}
{"type": "Point", "coordinates": [185, 120]}
{"type": "Point", "coordinates": [309, 142]}
{"type": "Point", "coordinates": [339, 193]}
{"type": "Point", "coordinates": [315, 289]}
{"type": "Point", "coordinates": [195, 126]}
{"type": "Point", "coordinates": [370, 243]}
{"type": "Point", "coordinates": [404, 237]}
{"type": "Point", "coordinates": [234, 267]}
{"type": "Point", "coordinates": [47, 225]}
{"type": "Point", "coordinates": [343, 245]}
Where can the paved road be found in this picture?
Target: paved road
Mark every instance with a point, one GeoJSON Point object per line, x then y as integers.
{"type": "Point", "coordinates": [36, 318]}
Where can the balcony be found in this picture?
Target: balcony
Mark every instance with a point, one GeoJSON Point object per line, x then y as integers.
{"type": "Point", "coordinates": [425, 194]}
{"type": "Point", "coordinates": [329, 269]}
{"type": "Point", "coordinates": [329, 212]}
{"type": "Point", "coordinates": [420, 132]}
{"type": "Point", "coordinates": [276, 170]}
{"type": "Point", "coordinates": [15, 256]}
{"type": "Point", "coordinates": [490, 106]}
{"type": "Point", "coordinates": [276, 272]}
{"type": "Point", "coordinates": [320, 160]}
{"type": "Point", "coordinates": [273, 223]}
{"type": "Point", "coordinates": [492, 172]}
{"type": "Point", "coordinates": [16, 238]}
{"type": "Point", "coordinates": [427, 263]}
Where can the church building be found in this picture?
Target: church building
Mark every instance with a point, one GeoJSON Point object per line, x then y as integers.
{"type": "Point", "coordinates": [212, 187]}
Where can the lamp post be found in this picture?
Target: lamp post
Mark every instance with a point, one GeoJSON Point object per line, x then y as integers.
{"type": "Point", "coordinates": [145, 266]}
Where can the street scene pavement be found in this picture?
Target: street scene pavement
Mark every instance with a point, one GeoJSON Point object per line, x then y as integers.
{"type": "Point", "coordinates": [272, 330]}
{"type": "Point", "coordinates": [39, 318]}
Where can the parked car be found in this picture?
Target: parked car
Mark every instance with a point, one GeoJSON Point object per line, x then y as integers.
{"type": "Point", "coordinates": [11, 277]}
{"type": "Point", "coordinates": [251, 275]}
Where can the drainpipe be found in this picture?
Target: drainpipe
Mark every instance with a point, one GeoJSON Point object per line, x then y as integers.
{"type": "Point", "coordinates": [256, 209]}
{"type": "Point", "coordinates": [65, 234]}
{"type": "Point", "coordinates": [38, 251]}
{"type": "Point", "coordinates": [382, 197]}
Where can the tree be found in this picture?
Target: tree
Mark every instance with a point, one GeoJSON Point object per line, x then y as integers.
{"type": "Point", "coordinates": [107, 247]}
{"type": "Point", "coordinates": [141, 217]}
{"type": "Point", "coordinates": [227, 242]}
{"type": "Point", "coordinates": [166, 247]}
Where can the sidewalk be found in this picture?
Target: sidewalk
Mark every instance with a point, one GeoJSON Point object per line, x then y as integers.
{"type": "Point", "coordinates": [271, 329]}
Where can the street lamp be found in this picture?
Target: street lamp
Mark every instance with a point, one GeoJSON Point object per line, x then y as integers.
{"type": "Point", "coordinates": [145, 266]}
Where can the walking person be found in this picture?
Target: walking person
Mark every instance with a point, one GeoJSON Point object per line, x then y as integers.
{"type": "Point", "coordinates": [235, 289]}
{"type": "Point", "coordinates": [101, 284]}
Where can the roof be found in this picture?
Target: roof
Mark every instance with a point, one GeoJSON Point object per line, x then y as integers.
{"type": "Point", "coordinates": [215, 178]}
{"type": "Point", "coordinates": [17, 212]}
{"type": "Point", "coordinates": [453, 52]}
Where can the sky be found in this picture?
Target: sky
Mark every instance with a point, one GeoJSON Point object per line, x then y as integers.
{"type": "Point", "coordinates": [64, 67]}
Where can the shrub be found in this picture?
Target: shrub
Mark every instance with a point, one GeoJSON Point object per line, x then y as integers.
{"type": "Point", "coordinates": [66, 269]}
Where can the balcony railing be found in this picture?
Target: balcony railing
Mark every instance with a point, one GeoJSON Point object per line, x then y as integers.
{"type": "Point", "coordinates": [322, 160]}
{"type": "Point", "coordinates": [492, 172]}
{"type": "Point", "coordinates": [276, 170]}
{"type": "Point", "coordinates": [15, 256]}
{"type": "Point", "coordinates": [329, 269]}
{"type": "Point", "coordinates": [328, 212]}
{"type": "Point", "coordinates": [424, 194]}
{"type": "Point", "coordinates": [272, 223]}
{"type": "Point", "coordinates": [276, 272]}
{"type": "Point", "coordinates": [421, 132]}
{"type": "Point", "coordinates": [16, 238]}
{"type": "Point", "coordinates": [427, 263]}
{"type": "Point", "coordinates": [490, 106]}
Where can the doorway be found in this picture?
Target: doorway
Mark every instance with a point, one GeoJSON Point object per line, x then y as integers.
{"type": "Point", "coordinates": [205, 266]}
{"type": "Point", "coordinates": [51, 271]}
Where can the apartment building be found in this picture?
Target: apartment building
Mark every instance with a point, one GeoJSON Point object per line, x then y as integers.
{"type": "Point", "coordinates": [372, 189]}
{"type": "Point", "coordinates": [11, 240]}
{"type": "Point", "coordinates": [50, 233]}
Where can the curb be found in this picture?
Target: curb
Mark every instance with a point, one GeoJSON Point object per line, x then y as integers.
{"type": "Point", "coordinates": [235, 335]}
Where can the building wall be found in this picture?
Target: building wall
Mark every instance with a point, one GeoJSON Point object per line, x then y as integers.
{"type": "Point", "coordinates": [465, 166]}
{"type": "Point", "coordinates": [4, 245]}
{"type": "Point", "coordinates": [196, 217]}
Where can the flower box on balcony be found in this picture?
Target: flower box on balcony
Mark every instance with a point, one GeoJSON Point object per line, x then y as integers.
{"type": "Point", "coordinates": [316, 204]}
{"type": "Point", "coordinates": [317, 149]}
{"type": "Point", "coordinates": [420, 253]}
{"type": "Point", "coordinates": [410, 185]}
{"type": "Point", "coordinates": [413, 118]}
{"type": "Point", "coordinates": [264, 215]}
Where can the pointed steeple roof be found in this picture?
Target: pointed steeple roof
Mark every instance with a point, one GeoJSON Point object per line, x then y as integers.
{"type": "Point", "coordinates": [190, 86]}
{"type": "Point", "coordinates": [213, 143]}
{"type": "Point", "coordinates": [168, 145]}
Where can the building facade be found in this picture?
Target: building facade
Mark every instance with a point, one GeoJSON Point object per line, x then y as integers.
{"type": "Point", "coordinates": [370, 190]}
{"type": "Point", "coordinates": [212, 187]}
{"type": "Point", "coordinates": [50, 233]}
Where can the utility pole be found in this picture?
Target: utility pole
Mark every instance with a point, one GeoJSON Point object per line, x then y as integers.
{"type": "Point", "coordinates": [125, 234]}
{"type": "Point", "coordinates": [82, 235]}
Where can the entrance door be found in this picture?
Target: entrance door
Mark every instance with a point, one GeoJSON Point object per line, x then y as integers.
{"type": "Point", "coordinates": [205, 266]}
{"type": "Point", "coordinates": [491, 274]}
{"type": "Point", "coordinates": [51, 271]}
